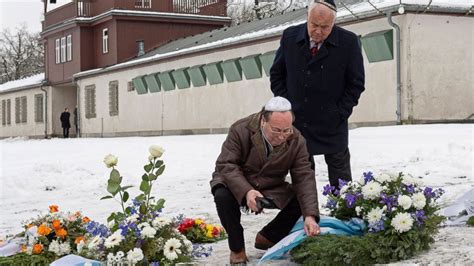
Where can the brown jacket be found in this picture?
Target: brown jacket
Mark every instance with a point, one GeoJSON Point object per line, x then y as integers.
{"type": "Point", "coordinates": [242, 166]}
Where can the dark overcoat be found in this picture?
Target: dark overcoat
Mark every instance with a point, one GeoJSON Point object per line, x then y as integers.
{"type": "Point", "coordinates": [65, 120]}
{"type": "Point", "coordinates": [243, 166]}
{"type": "Point", "coordinates": [322, 89]}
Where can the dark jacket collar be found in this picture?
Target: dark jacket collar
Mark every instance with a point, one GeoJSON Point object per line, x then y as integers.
{"type": "Point", "coordinates": [303, 37]}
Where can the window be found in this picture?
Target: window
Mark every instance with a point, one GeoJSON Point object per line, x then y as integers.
{"type": "Point", "coordinates": [90, 101]}
{"type": "Point", "coordinates": [378, 46]}
{"type": "Point", "coordinates": [63, 49]}
{"type": "Point", "coordinates": [9, 112]}
{"type": "Point", "coordinates": [105, 41]}
{"type": "Point", "coordinates": [69, 47]}
{"type": "Point", "coordinates": [4, 112]}
{"type": "Point", "coordinates": [143, 3]}
{"type": "Point", "coordinates": [20, 110]}
{"type": "Point", "coordinates": [113, 98]}
{"type": "Point", "coordinates": [130, 86]}
{"type": "Point", "coordinates": [58, 53]}
{"type": "Point", "coordinates": [39, 108]}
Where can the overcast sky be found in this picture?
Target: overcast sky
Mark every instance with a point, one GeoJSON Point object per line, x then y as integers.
{"type": "Point", "coordinates": [14, 13]}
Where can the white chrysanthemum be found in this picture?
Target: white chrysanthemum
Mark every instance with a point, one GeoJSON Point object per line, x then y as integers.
{"type": "Point", "coordinates": [402, 222]}
{"type": "Point", "coordinates": [419, 200]}
{"type": "Point", "coordinates": [374, 215]}
{"type": "Point", "coordinates": [114, 239]}
{"type": "Point", "coordinates": [110, 258]}
{"type": "Point", "coordinates": [65, 248]}
{"type": "Point", "coordinates": [358, 210]}
{"type": "Point", "coordinates": [404, 201]}
{"type": "Point", "coordinates": [149, 231]}
{"type": "Point", "coordinates": [171, 249]}
{"type": "Point", "coordinates": [383, 177]}
{"type": "Point", "coordinates": [54, 247]}
{"type": "Point", "coordinates": [135, 255]}
{"type": "Point", "coordinates": [371, 190]}
{"type": "Point", "coordinates": [143, 225]}
{"type": "Point", "coordinates": [159, 222]}
{"type": "Point", "coordinates": [408, 180]}
{"type": "Point", "coordinates": [132, 218]}
{"type": "Point", "coordinates": [95, 242]}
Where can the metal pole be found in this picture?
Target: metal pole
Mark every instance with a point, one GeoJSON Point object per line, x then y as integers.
{"type": "Point", "coordinates": [398, 59]}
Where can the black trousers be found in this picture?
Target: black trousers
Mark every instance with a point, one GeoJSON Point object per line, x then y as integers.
{"type": "Point", "coordinates": [229, 213]}
{"type": "Point", "coordinates": [339, 166]}
{"type": "Point", "coordinates": [65, 132]}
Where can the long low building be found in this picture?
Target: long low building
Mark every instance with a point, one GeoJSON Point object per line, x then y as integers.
{"type": "Point", "coordinates": [418, 60]}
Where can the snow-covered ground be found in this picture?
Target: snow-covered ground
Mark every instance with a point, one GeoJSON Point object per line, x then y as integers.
{"type": "Point", "coordinates": [70, 173]}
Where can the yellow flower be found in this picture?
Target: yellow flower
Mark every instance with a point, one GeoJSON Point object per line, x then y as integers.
{"type": "Point", "coordinates": [44, 230]}
{"type": "Point", "coordinates": [209, 234]}
{"type": "Point", "coordinates": [209, 227]}
{"type": "Point", "coordinates": [198, 221]}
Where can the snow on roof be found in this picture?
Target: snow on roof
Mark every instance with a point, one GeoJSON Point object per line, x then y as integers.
{"type": "Point", "coordinates": [24, 82]}
{"type": "Point", "coordinates": [342, 13]}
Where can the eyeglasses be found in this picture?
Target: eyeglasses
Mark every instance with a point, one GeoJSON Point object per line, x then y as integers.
{"type": "Point", "coordinates": [276, 131]}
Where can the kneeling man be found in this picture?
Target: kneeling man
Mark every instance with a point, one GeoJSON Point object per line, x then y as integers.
{"type": "Point", "coordinates": [257, 155]}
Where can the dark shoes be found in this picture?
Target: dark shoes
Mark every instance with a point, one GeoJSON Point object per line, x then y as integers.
{"type": "Point", "coordinates": [238, 258]}
{"type": "Point", "coordinates": [262, 242]}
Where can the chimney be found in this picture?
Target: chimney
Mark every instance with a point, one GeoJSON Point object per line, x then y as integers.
{"type": "Point", "coordinates": [141, 47]}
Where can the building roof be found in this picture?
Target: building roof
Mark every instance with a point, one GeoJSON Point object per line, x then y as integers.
{"type": "Point", "coordinates": [24, 83]}
{"type": "Point", "coordinates": [274, 26]}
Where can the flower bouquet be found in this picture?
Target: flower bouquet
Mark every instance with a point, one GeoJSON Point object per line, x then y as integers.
{"type": "Point", "coordinates": [48, 237]}
{"type": "Point", "coordinates": [138, 234]}
{"type": "Point", "coordinates": [401, 218]}
{"type": "Point", "coordinates": [197, 231]}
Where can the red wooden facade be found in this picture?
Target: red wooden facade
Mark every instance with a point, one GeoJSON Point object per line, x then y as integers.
{"type": "Point", "coordinates": [81, 26]}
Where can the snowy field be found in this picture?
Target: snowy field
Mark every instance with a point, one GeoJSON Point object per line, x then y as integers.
{"type": "Point", "coordinates": [70, 173]}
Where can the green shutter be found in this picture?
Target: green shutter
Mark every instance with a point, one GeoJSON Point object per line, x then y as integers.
{"type": "Point", "coordinates": [167, 81]}
{"type": "Point", "coordinates": [378, 46]}
{"type": "Point", "coordinates": [181, 77]}
{"type": "Point", "coordinates": [139, 85]}
{"type": "Point", "coordinates": [251, 66]}
{"type": "Point", "coordinates": [267, 61]}
{"type": "Point", "coordinates": [232, 70]}
{"type": "Point", "coordinates": [153, 83]}
{"type": "Point", "coordinates": [197, 75]}
{"type": "Point", "coordinates": [214, 73]}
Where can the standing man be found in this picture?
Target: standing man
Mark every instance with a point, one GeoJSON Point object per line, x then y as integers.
{"type": "Point", "coordinates": [319, 68]}
{"type": "Point", "coordinates": [257, 155]}
{"type": "Point", "coordinates": [65, 124]}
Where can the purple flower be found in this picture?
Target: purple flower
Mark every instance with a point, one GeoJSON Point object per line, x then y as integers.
{"type": "Point", "coordinates": [94, 228]}
{"type": "Point", "coordinates": [420, 217]}
{"type": "Point", "coordinates": [368, 176]}
{"type": "Point", "coordinates": [389, 201]}
{"type": "Point", "coordinates": [155, 263]}
{"type": "Point", "coordinates": [428, 193]}
{"type": "Point", "coordinates": [328, 189]}
{"type": "Point", "coordinates": [410, 189]}
{"type": "Point", "coordinates": [350, 200]}
{"type": "Point", "coordinates": [342, 183]}
{"type": "Point", "coordinates": [124, 228]}
{"type": "Point", "coordinates": [377, 226]}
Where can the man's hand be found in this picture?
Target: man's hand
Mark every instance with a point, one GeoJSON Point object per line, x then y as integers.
{"type": "Point", "coordinates": [311, 228]}
{"type": "Point", "coordinates": [251, 202]}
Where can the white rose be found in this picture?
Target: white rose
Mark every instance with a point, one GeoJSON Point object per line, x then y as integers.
{"type": "Point", "coordinates": [110, 160]}
{"type": "Point", "coordinates": [135, 255]}
{"type": "Point", "coordinates": [404, 202]}
{"type": "Point", "coordinates": [156, 151]}
{"type": "Point", "coordinates": [419, 200]}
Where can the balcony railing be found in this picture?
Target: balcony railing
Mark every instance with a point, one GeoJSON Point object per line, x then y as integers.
{"type": "Point", "coordinates": [89, 8]}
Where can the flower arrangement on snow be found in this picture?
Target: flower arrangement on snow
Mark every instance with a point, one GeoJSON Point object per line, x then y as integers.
{"type": "Point", "coordinates": [198, 231]}
{"type": "Point", "coordinates": [401, 218]}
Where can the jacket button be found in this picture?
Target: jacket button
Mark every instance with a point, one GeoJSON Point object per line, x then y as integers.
{"type": "Point", "coordinates": [305, 125]}
{"type": "Point", "coordinates": [308, 72]}
{"type": "Point", "coordinates": [322, 66]}
{"type": "Point", "coordinates": [306, 99]}
{"type": "Point", "coordinates": [257, 185]}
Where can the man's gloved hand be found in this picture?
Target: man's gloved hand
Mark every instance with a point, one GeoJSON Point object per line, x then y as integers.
{"type": "Point", "coordinates": [251, 199]}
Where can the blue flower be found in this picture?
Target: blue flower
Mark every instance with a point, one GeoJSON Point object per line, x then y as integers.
{"type": "Point", "coordinates": [420, 217]}
{"type": "Point", "coordinates": [331, 204]}
{"type": "Point", "coordinates": [377, 226]}
{"type": "Point", "coordinates": [389, 201]}
{"type": "Point", "coordinates": [328, 189]}
{"type": "Point", "coordinates": [368, 176]}
{"type": "Point", "coordinates": [201, 251]}
{"type": "Point", "coordinates": [94, 228]}
{"type": "Point", "coordinates": [428, 192]}
{"type": "Point", "coordinates": [410, 189]}
{"type": "Point", "coordinates": [342, 183]}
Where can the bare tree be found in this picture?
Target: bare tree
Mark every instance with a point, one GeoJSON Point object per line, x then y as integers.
{"type": "Point", "coordinates": [21, 54]}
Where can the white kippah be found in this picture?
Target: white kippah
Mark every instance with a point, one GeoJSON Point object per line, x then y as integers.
{"type": "Point", "coordinates": [278, 104]}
